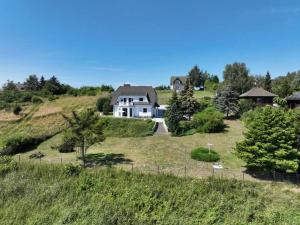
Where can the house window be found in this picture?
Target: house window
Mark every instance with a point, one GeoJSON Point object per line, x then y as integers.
{"type": "Point", "coordinates": [125, 99]}
{"type": "Point", "coordinates": [144, 110]}
{"type": "Point", "coordinates": [141, 99]}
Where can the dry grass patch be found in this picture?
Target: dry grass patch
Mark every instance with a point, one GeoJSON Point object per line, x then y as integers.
{"type": "Point", "coordinates": [47, 110]}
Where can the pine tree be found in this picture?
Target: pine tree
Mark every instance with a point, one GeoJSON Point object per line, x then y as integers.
{"type": "Point", "coordinates": [271, 141]}
{"type": "Point", "coordinates": [268, 82]}
{"type": "Point", "coordinates": [189, 104]}
{"type": "Point", "coordinates": [42, 82]}
{"type": "Point", "coordinates": [227, 102]}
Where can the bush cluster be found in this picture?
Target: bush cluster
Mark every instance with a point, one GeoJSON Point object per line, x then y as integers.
{"type": "Point", "coordinates": [72, 170]}
{"type": "Point", "coordinates": [22, 143]}
{"type": "Point", "coordinates": [103, 105]}
{"type": "Point", "coordinates": [208, 121]}
{"type": "Point", "coordinates": [203, 154]}
{"type": "Point", "coordinates": [6, 165]}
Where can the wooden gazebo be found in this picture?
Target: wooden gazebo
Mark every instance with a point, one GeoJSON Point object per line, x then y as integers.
{"type": "Point", "coordinates": [260, 96]}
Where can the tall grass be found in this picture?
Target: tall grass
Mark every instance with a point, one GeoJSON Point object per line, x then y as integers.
{"type": "Point", "coordinates": [45, 195]}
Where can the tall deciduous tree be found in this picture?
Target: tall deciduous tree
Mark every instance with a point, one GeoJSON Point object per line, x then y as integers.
{"type": "Point", "coordinates": [195, 77]}
{"type": "Point", "coordinates": [236, 76]}
{"type": "Point", "coordinates": [227, 101]}
{"type": "Point", "coordinates": [86, 130]}
{"type": "Point", "coordinates": [271, 141]}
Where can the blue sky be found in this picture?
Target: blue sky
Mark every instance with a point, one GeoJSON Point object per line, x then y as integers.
{"type": "Point", "coordinates": [145, 42]}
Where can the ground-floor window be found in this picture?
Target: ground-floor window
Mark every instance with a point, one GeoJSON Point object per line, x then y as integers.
{"type": "Point", "coordinates": [144, 110]}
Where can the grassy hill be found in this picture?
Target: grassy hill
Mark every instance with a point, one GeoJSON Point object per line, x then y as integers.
{"type": "Point", "coordinates": [165, 95]}
{"type": "Point", "coordinates": [45, 118]}
{"type": "Point", "coordinates": [46, 195]}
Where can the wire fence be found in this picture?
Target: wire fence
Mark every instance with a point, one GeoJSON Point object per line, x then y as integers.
{"type": "Point", "coordinates": [203, 170]}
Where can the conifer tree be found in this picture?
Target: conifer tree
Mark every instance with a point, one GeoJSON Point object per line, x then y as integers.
{"type": "Point", "coordinates": [271, 141]}
{"type": "Point", "coordinates": [227, 102]}
{"type": "Point", "coordinates": [268, 81]}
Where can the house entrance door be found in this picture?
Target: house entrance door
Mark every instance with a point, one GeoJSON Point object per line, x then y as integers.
{"type": "Point", "coordinates": [130, 112]}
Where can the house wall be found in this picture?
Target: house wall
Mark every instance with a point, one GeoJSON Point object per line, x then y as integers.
{"type": "Point", "coordinates": [137, 110]}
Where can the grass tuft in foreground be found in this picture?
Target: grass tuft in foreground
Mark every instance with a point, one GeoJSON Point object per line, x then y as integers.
{"type": "Point", "coordinates": [47, 195]}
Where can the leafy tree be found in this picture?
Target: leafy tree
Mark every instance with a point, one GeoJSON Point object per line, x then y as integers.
{"type": "Point", "coordinates": [270, 141]}
{"type": "Point", "coordinates": [268, 82]}
{"type": "Point", "coordinates": [280, 102]}
{"type": "Point", "coordinates": [32, 83]}
{"type": "Point", "coordinates": [227, 102]}
{"type": "Point", "coordinates": [195, 77]}
{"type": "Point", "coordinates": [86, 130]}
{"type": "Point", "coordinates": [259, 81]}
{"type": "Point", "coordinates": [9, 86]}
{"type": "Point", "coordinates": [236, 76]}
{"type": "Point", "coordinates": [281, 86]}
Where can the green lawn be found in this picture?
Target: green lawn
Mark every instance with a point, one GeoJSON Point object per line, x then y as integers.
{"type": "Point", "coordinates": [165, 95]}
{"type": "Point", "coordinates": [172, 154]}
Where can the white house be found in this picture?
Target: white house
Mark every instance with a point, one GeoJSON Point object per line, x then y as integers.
{"type": "Point", "coordinates": [134, 101]}
{"type": "Point", "coordinates": [178, 83]}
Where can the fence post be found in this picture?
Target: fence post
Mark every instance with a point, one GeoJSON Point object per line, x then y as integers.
{"type": "Point", "coordinates": [60, 160]}
{"type": "Point", "coordinates": [131, 167]}
{"type": "Point", "coordinates": [274, 175]}
{"type": "Point", "coordinates": [157, 168]}
{"type": "Point", "coordinates": [243, 176]}
{"type": "Point", "coordinates": [185, 171]}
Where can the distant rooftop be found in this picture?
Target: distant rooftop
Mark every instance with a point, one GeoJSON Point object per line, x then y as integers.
{"type": "Point", "coordinates": [294, 97]}
{"type": "Point", "coordinates": [257, 92]}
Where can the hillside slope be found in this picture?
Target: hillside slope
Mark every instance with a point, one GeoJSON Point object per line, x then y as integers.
{"type": "Point", "coordinates": [45, 195]}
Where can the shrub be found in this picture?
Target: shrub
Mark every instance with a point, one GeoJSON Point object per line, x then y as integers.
{"type": "Point", "coordinates": [6, 165]}
{"type": "Point", "coordinates": [209, 121]}
{"type": "Point", "coordinates": [68, 143]}
{"type": "Point", "coordinates": [22, 143]}
{"type": "Point", "coordinates": [3, 105]}
{"type": "Point", "coordinates": [107, 108]}
{"type": "Point", "coordinates": [26, 97]}
{"type": "Point", "coordinates": [246, 105]}
{"type": "Point", "coordinates": [203, 154]}
{"type": "Point", "coordinates": [36, 100]}
{"type": "Point", "coordinates": [17, 109]}
{"type": "Point", "coordinates": [72, 170]}
{"type": "Point", "coordinates": [101, 102]}
{"type": "Point", "coordinates": [52, 98]}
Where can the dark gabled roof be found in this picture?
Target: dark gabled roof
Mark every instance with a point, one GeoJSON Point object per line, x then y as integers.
{"type": "Point", "coordinates": [294, 97]}
{"type": "Point", "coordinates": [257, 92]}
{"type": "Point", "coordinates": [183, 79]}
{"type": "Point", "coordinates": [128, 90]}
